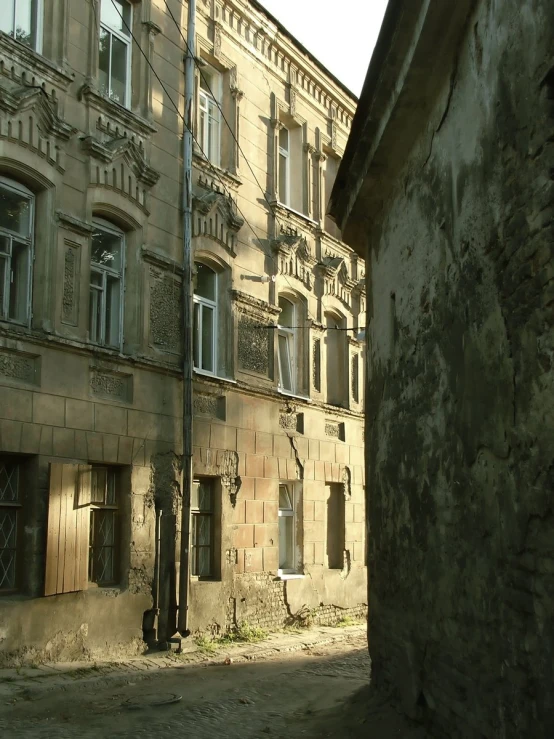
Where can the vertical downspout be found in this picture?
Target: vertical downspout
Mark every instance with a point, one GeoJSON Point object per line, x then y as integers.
{"type": "Point", "coordinates": [187, 318]}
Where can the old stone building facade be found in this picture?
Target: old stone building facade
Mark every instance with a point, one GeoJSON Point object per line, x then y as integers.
{"type": "Point", "coordinates": [91, 99]}
{"type": "Point", "coordinates": [446, 186]}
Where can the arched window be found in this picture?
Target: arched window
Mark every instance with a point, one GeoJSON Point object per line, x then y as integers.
{"type": "Point", "coordinates": [288, 346]}
{"type": "Point", "coordinates": [206, 319]}
{"type": "Point", "coordinates": [336, 364]}
{"type": "Point", "coordinates": [106, 284]}
{"type": "Point", "coordinates": [16, 250]}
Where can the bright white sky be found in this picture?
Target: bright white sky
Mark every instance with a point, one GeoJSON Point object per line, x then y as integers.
{"type": "Point", "coordinates": [340, 33]}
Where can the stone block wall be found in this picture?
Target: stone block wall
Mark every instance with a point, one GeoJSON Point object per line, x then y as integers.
{"type": "Point", "coordinates": [460, 432]}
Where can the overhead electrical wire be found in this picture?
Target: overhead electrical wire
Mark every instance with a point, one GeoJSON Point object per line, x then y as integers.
{"type": "Point", "coordinates": [210, 164]}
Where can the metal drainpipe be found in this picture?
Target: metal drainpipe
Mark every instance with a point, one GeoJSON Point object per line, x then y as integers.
{"type": "Point", "coordinates": [187, 320]}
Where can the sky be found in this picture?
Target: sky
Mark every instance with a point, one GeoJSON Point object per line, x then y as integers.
{"type": "Point", "coordinates": [341, 34]}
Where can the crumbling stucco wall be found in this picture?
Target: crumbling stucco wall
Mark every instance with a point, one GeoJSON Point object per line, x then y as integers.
{"type": "Point", "coordinates": [460, 395]}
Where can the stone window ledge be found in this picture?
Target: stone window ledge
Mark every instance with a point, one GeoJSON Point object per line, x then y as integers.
{"type": "Point", "coordinates": [37, 63]}
{"type": "Point", "coordinates": [296, 396]}
{"type": "Point", "coordinates": [117, 112]}
{"type": "Point", "coordinates": [216, 378]}
{"type": "Point", "coordinates": [289, 575]}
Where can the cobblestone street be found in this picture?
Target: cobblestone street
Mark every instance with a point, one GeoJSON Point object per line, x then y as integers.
{"type": "Point", "coordinates": [319, 691]}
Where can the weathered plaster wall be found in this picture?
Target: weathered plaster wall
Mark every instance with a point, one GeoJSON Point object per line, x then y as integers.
{"type": "Point", "coordinates": [460, 395]}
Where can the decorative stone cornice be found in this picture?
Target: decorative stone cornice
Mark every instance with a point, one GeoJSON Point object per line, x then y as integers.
{"type": "Point", "coordinates": [152, 28]}
{"type": "Point", "coordinates": [214, 178]}
{"type": "Point", "coordinates": [114, 110]}
{"type": "Point", "coordinates": [14, 99]}
{"type": "Point", "coordinates": [23, 65]}
{"type": "Point", "coordinates": [254, 306]}
{"type": "Point", "coordinates": [71, 223]}
{"type": "Point", "coordinates": [126, 149]}
{"type": "Point", "coordinates": [160, 260]}
{"type": "Point", "coordinates": [216, 217]}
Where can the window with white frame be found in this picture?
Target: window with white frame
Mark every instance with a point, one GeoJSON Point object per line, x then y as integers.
{"type": "Point", "coordinates": [16, 250]}
{"type": "Point", "coordinates": [114, 62]}
{"type": "Point", "coordinates": [202, 528]}
{"type": "Point", "coordinates": [10, 511]}
{"type": "Point", "coordinates": [287, 346]}
{"type": "Point", "coordinates": [287, 528]}
{"type": "Point", "coordinates": [284, 165]}
{"type": "Point", "coordinates": [209, 114]}
{"type": "Point", "coordinates": [206, 319]}
{"type": "Point", "coordinates": [22, 20]}
{"type": "Point", "coordinates": [106, 285]}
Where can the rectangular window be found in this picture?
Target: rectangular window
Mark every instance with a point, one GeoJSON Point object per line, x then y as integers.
{"type": "Point", "coordinates": [316, 368]}
{"type": "Point", "coordinates": [287, 525]}
{"type": "Point", "coordinates": [284, 166]}
{"type": "Point", "coordinates": [16, 244]}
{"type": "Point", "coordinates": [10, 511]}
{"type": "Point", "coordinates": [103, 539]}
{"type": "Point", "coordinates": [205, 319]}
{"type": "Point", "coordinates": [83, 539]}
{"type": "Point", "coordinates": [335, 526]}
{"type": "Point", "coordinates": [209, 115]}
{"type": "Point", "coordinates": [202, 528]}
{"type": "Point", "coordinates": [286, 346]}
{"type": "Point", "coordinates": [106, 286]}
{"type": "Point", "coordinates": [114, 61]}
{"type": "Point", "coordinates": [21, 19]}
{"type": "Point", "coordinates": [355, 378]}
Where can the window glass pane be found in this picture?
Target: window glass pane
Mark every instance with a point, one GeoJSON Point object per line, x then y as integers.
{"type": "Point", "coordinates": [203, 131]}
{"type": "Point", "coordinates": [19, 279]}
{"type": "Point", "coordinates": [15, 212]}
{"type": "Point", "coordinates": [102, 546]}
{"type": "Point", "coordinates": [4, 286]}
{"type": "Point", "coordinates": [118, 91]}
{"type": "Point", "coordinates": [196, 335]}
{"type": "Point", "coordinates": [111, 14]}
{"type": "Point", "coordinates": [286, 316]}
{"type": "Point", "coordinates": [24, 21]}
{"type": "Point", "coordinates": [285, 501]}
{"type": "Point", "coordinates": [95, 307]}
{"type": "Point", "coordinates": [6, 18]}
{"type": "Point", "coordinates": [205, 496]}
{"type": "Point", "coordinates": [4, 245]}
{"type": "Point", "coordinates": [9, 482]}
{"type": "Point", "coordinates": [205, 282]}
{"type": "Point", "coordinates": [284, 363]}
{"type": "Point", "coordinates": [106, 249]}
{"type": "Point", "coordinates": [206, 82]}
{"type": "Point", "coordinates": [99, 478]}
{"type": "Point", "coordinates": [284, 139]}
{"type": "Point", "coordinates": [208, 315]}
{"type": "Point", "coordinates": [113, 310]}
{"type": "Point", "coordinates": [111, 494]}
{"type": "Point", "coordinates": [286, 542]}
{"type": "Point", "coordinates": [283, 179]}
{"type": "Point", "coordinates": [104, 62]}
{"type": "Point", "coordinates": [204, 562]}
{"type": "Point", "coordinates": [8, 534]}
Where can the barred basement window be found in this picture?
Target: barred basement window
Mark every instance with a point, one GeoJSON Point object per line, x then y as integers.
{"type": "Point", "coordinates": [202, 529]}
{"type": "Point", "coordinates": [10, 505]}
{"type": "Point", "coordinates": [103, 534]}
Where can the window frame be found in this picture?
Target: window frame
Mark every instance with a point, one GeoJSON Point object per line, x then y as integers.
{"type": "Point", "coordinates": [98, 508]}
{"type": "Point", "coordinates": [289, 333]}
{"type": "Point", "coordinates": [208, 101]}
{"type": "Point", "coordinates": [196, 513]}
{"type": "Point", "coordinates": [284, 198]}
{"type": "Point", "coordinates": [214, 306]}
{"type": "Point", "coordinates": [37, 21]}
{"type": "Point", "coordinates": [17, 506]}
{"type": "Point", "coordinates": [128, 41]}
{"type": "Point", "coordinates": [16, 187]}
{"type": "Point", "coordinates": [288, 513]}
{"type": "Point", "coordinates": [104, 271]}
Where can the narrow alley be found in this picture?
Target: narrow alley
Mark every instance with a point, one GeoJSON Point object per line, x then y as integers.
{"type": "Point", "coordinates": [319, 692]}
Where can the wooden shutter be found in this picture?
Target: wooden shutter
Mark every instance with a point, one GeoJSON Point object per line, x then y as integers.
{"type": "Point", "coordinates": [67, 540]}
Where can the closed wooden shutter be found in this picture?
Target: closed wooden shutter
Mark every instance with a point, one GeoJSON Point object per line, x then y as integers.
{"type": "Point", "coordinates": [67, 540]}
